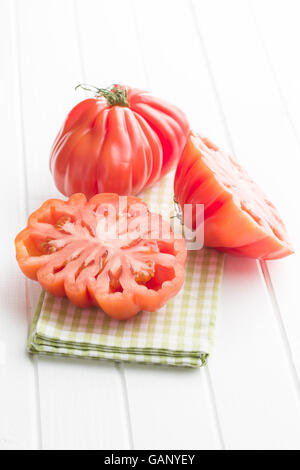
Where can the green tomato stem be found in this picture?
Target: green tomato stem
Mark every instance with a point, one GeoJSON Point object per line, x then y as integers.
{"type": "Point", "coordinates": [115, 95]}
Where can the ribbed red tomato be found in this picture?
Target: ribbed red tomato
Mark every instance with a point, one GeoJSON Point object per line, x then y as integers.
{"type": "Point", "coordinates": [121, 141]}
{"type": "Point", "coordinates": [108, 251]}
{"type": "Point", "coordinates": [238, 217]}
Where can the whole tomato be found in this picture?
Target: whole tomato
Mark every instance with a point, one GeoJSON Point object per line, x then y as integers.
{"type": "Point", "coordinates": [122, 140]}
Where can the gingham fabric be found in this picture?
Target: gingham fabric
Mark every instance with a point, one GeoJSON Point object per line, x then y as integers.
{"type": "Point", "coordinates": [179, 334]}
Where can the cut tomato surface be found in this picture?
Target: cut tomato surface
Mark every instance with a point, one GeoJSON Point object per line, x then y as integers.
{"type": "Point", "coordinates": [108, 251]}
{"type": "Point", "coordinates": [238, 217]}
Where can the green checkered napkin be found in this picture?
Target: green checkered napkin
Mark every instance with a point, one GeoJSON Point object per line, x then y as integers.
{"type": "Point", "coordinates": [178, 334]}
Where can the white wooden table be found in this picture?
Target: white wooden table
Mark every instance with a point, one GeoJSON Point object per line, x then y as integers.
{"type": "Point", "coordinates": [234, 67]}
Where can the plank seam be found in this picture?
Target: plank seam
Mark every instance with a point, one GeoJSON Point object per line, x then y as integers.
{"type": "Point", "coordinates": [139, 41]}
{"type": "Point", "coordinates": [79, 40]}
{"type": "Point", "coordinates": [264, 270]}
{"type": "Point", "coordinates": [23, 164]}
{"type": "Point", "coordinates": [284, 337]}
{"type": "Point", "coordinates": [211, 76]}
{"type": "Point", "coordinates": [264, 265]}
{"type": "Point", "coordinates": [207, 375]}
{"type": "Point", "coordinates": [215, 408]}
{"type": "Point", "coordinates": [230, 142]}
{"type": "Point", "coordinates": [119, 368]}
{"type": "Point", "coordinates": [274, 74]}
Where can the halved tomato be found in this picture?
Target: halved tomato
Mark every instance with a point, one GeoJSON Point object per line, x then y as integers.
{"type": "Point", "coordinates": [238, 217]}
{"type": "Point", "coordinates": [110, 251]}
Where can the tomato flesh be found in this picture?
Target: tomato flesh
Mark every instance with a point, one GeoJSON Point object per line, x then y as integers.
{"type": "Point", "coordinates": [107, 251]}
{"type": "Point", "coordinates": [238, 217]}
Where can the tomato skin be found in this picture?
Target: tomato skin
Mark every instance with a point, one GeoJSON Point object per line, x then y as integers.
{"type": "Point", "coordinates": [238, 218]}
{"type": "Point", "coordinates": [66, 249]}
{"type": "Point", "coordinates": [102, 148]}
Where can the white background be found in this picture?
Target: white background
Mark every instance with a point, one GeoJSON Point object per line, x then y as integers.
{"type": "Point", "coordinates": [234, 68]}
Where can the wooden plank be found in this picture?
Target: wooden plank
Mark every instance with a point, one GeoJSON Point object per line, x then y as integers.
{"type": "Point", "coordinates": [168, 408]}
{"type": "Point", "coordinates": [261, 137]}
{"type": "Point", "coordinates": [280, 36]}
{"type": "Point", "coordinates": [277, 23]}
{"type": "Point", "coordinates": [109, 48]}
{"type": "Point", "coordinates": [18, 409]}
{"type": "Point", "coordinates": [81, 403]}
{"type": "Point", "coordinates": [255, 116]}
{"type": "Point", "coordinates": [171, 409]}
{"type": "Point", "coordinates": [255, 394]}
{"type": "Point", "coordinates": [83, 406]}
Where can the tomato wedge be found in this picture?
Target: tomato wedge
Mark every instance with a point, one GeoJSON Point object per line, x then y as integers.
{"type": "Point", "coordinates": [238, 217]}
{"type": "Point", "coordinates": [108, 251]}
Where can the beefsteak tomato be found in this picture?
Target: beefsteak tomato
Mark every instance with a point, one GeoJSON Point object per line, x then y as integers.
{"type": "Point", "coordinates": [238, 217]}
{"type": "Point", "coordinates": [121, 141]}
{"type": "Point", "coordinates": [107, 251]}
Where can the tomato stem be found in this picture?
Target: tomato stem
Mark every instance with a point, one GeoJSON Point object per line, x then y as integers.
{"type": "Point", "coordinates": [178, 211]}
{"type": "Point", "coordinates": [115, 95]}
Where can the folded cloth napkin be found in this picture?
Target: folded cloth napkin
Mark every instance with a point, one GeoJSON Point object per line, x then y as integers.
{"type": "Point", "coordinates": [178, 334]}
